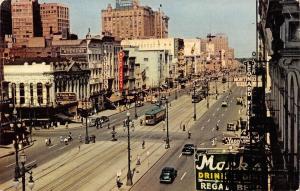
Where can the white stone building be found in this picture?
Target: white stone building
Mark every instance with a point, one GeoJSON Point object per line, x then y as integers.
{"type": "Point", "coordinates": [36, 82]}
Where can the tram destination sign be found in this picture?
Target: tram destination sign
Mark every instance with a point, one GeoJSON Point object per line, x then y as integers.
{"type": "Point", "coordinates": [228, 171]}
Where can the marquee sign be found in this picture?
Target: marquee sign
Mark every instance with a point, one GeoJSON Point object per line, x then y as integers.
{"type": "Point", "coordinates": [121, 72]}
{"type": "Point", "coordinates": [228, 171]}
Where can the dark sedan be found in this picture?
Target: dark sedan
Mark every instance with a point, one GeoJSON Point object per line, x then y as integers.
{"type": "Point", "coordinates": [188, 149]}
{"type": "Point", "coordinates": [168, 175]}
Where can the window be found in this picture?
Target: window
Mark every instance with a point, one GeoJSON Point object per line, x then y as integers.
{"type": "Point", "coordinates": [13, 92]}
{"type": "Point", "coordinates": [294, 31]}
{"type": "Point", "coordinates": [146, 59]}
{"type": "Point", "coordinates": [40, 93]}
{"type": "Point", "coordinates": [22, 93]}
{"type": "Point", "coordinates": [48, 93]}
{"type": "Point", "coordinates": [31, 93]}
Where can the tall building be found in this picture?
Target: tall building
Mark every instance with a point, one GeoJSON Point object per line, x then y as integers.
{"type": "Point", "coordinates": [5, 19]}
{"type": "Point", "coordinates": [26, 22]}
{"type": "Point", "coordinates": [279, 55]}
{"type": "Point", "coordinates": [55, 19]}
{"type": "Point", "coordinates": [129, 20]}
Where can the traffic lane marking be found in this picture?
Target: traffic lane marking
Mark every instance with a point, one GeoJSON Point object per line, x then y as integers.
{"type": "Point", "coordinates": [218, 109]}
{"type": "Point", "coordinates": [27, 164]}
{"type": "Point", "coordinates": [180, 155]}
{"type": "Point", "coordinates": [202, 127]}
{"type": "Point", "coordinates": [208, 120]}
{"type": "Point", "coordinates": [62, 147]}
{"type": "Point", "coordinates": [183, 176]}
{"type": "Point", "coordinates": [52, 146]}
{"type": "Point", "coordinates": [10, 165]}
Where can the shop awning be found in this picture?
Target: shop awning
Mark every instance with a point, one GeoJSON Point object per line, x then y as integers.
{"type": "Point", "coordinates": [115, 98]}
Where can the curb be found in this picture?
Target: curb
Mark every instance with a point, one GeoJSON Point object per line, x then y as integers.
{"type": "Point", "coordinates": [149, 169]}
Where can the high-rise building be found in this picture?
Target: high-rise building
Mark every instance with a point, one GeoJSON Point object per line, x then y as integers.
{"type": "Point", "coordinates": [26, 21]}
{"type": "Point", "coordinates": [55, 19]}
{"type": "Point", "coordinates": [129, 20]}
{"type": "Point", "coordinates": [5, 19]}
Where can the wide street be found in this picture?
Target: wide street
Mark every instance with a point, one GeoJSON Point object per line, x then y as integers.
{"type": "Point", "coordinates": [202, 133]}
{"type": "Point", "coordinates": [94, 166]}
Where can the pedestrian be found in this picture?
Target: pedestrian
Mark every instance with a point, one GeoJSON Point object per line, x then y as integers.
{"type": "Point", "coordinates": [78, 148]}
{"type": "Point", "coordinates": [67, 125]}
{"type": "Point", "coordinates": [143, 144]}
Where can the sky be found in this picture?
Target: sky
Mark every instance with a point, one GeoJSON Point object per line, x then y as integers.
{"type": "Point", "coordinates": [188, 19]}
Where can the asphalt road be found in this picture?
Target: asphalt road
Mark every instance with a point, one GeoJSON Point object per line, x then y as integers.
{"type": "Point", "coordinates": [202, 133]}
{"type": "Point", "coordinates": [40, 154]}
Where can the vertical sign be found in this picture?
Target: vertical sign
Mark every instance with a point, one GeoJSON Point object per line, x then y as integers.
{"type": "Point", "coordinates": [249, 71]}
{"type": "Point", "coordinates": [121, 73]}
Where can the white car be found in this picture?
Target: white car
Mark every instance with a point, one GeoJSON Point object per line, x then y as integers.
{"type": "Point", "coordinates": [224, 104]}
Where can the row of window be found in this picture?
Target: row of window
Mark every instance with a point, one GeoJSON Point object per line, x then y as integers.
{"type": "Point", "coordinates": [39, 93]}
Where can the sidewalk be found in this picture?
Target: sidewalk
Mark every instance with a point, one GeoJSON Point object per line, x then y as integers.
{"type": "Point", "coordinates": [6, 150]}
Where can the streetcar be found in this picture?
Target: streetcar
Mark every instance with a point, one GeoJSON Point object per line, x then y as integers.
{"type": "Point", "coordinates": [155, 115]}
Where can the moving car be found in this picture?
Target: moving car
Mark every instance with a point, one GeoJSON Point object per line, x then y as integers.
{"type": "Point", "coordinates": [231, 127]}
{"type": "Point", "coordinates": [224, 104]}
{"type": "Point", "coordinates": [188, 149]}
{"type": "Point", "coordinates": [168, 175]}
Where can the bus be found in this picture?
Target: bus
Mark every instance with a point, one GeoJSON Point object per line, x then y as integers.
{"type": "Point", "coordinates": [155, 115]}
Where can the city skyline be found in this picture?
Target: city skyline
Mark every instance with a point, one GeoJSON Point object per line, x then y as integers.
{"type": "Point", "coordinates": [214, 17]}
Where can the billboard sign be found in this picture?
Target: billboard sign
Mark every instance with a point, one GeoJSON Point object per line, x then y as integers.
{"type": "Point", "coordinates": [229, 171]}
{"type": "Point", "coordinates": [121, 72]}
{"type": "Point", "coordinates": [63, 97]}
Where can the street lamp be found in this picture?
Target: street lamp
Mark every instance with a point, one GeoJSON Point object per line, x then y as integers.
{"type": "Point", "coordinates": [135, 101]}
{"type": "Point", "coordinates": [22, 174]}
{"type": "Point", "coordinates": [85, 112]}
{"type": "Point", "coordinates": [216, 89]}
{"type": "Point", "coordinates": [207, 94]}
{"type": "Point", "coordinates": [15, 127]}
{"type": "Point", "coordinates": [129, 174]}
{"type": "Point", "coordinates": [194, 102]}
{"type": "Point", "coordinates": [167, 119]}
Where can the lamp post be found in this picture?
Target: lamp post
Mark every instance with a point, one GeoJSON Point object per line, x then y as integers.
{"type": "Point", "coordinates": [135, 101]}
{"type": "Point", "coordinates": [22, 175]}
{"type": "Point", "coordinates": [216, 89]}
{"type": "Point", "coordinates": [87, 140]}
{"type": "Point", "coordinates": [167, 119]}
{"type": "Point", "coordinates": [15, 127]}
{"type": "Point", "coordinates": [207, 95]}
{"type": "Point", "coordinates": [195, 102]}
{"type": "Point", "coordinates": [129, 174]}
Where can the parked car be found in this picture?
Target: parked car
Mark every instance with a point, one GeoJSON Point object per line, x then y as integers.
{"type": "Point", "coordinates": [231, 127]}
{"type": "Point", "coordinates": [103, 119]}
{"type": "Point", "coordinates": [163, 97]}
{"type": "Point", "coordinates": [154, 100]}
{"type": "Point", "coordinates": [188, 149]}
{"type": "Point", "coordinates": [168, 175]}
{"type": "Point", "coordinates": [139, 103]}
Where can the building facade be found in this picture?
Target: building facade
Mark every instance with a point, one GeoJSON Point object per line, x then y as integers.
{"type": "Point", "coordinates": [100, 53]}
{"type": "Point", "coordinates": [174, 48]}
{"type": "Point", "coordinates": [279, 52]}
{"type": "Point", "coordinates": [26, 21]}
{"type": "Point", "coordinates": [55, 19]}
{"type": "Point", "coordinates": [5, 19]}
{"type": "Point", "coordinates": [37, 82]}
{"type": "Point", "coordinates": [150, 67]}
{"type": "Point", "coordinates": [132, 21]}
